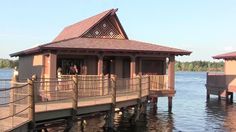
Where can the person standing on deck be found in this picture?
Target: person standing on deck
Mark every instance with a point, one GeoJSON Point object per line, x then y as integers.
{"type": "Point", "coordinates": [76, 70]}
{"type": "Point", "coordinates": [15, 73]}
{"type": "Point", "coordinates": [59, 73]}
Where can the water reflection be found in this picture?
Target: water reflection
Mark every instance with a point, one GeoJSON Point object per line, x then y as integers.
{"type": "Point", "coordinates": [160, 122]}
{"type": "Point", "coordinates": [153, 121]}
{"type": "Point", "coordinates": [220, 116]}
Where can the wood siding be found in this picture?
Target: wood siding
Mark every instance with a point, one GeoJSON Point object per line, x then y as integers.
{"type": "Point", "coordinates": [230, 72]}
{"type": "Point", "coordinates": [29, 65]}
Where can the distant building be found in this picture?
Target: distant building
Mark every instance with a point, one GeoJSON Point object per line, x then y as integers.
{"type": "Point", "coordinates": [223, 84]}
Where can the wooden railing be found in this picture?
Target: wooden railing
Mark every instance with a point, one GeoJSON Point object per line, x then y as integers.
{"type": "Point", "coordinates": [159, 82]}
{"type": "Point", "coordinates": [14, 104]}
{"type": "Point", "coordinates": [221, 82]}
{"type": "Point", "coordinates": [95, 85]}
{"type": "Point", "coordinates": [216, 79]}
{"type": "Point", "coordinates": [20, 99]}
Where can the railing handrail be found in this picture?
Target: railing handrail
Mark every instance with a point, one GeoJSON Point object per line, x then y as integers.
{"type": "Point", "coordinates": [215, 73]}
{"type": "Point", "coordinates": [99, 85]}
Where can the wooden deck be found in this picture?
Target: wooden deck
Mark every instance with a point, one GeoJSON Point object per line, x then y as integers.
{"type": "Point", "coordinates": [54, 105]}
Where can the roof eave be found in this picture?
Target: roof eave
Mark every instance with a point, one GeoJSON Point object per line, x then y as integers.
{"type": "Point", "coordinates": [120, 50]}
{"type": "Point", "coordinates": [25, 52]}
{"type": "Point", "coordinates": [224, 57]}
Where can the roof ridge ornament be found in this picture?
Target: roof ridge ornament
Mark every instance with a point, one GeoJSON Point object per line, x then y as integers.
{"type": "Point", "coordinates": [114, 11]}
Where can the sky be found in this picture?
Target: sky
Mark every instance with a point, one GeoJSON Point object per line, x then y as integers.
{"type": "Point", "coordinates": [205, 27]}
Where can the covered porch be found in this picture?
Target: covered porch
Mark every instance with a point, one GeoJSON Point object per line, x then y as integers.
{"type": "Point", "coordinates": [120, 65]}
{"type": "Point", "coordinates": [125, 68]}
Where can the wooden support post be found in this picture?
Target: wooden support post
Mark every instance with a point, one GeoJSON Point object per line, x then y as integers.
{"type": "Point", "coordinates": [207, 91]}
{"type": "Point", "coordinates": [232, 97]}
{"type": "Point", "coordinates": [154, 101]}
{"type": "Point", "coordinates": [171, 73]}
{"type": "Point", "coordinates": [154, 104]}
{"type": "Point", "coordinates": [227, 96]}
{"type": "Point", "coordinates": [132, 67]}
{"type": "Point", "coordinates": [139, 105]}
{"type": "Point", "coordinates": [111, 113]}
{"type": "Point", "coordinates": [140, 66]}
{"type": "Point", "coordinates": [170, 104]}
{"type": "Point", "coordinates": [71, 120]}
{"type": "Point", "coordinates": [31, 101]}
{"type": "Point", "coordinates": [207, 95]}
{"type": "Point", "coordinates": [171, 80]}
{"type": "Point", "coordinates": [75, 97]}
{"type": "Point", "coordinates": [219, 96]}
{"type": "Point", "coordinates": [75, 92]}
{"type": "Point", "coordinates": [100, 65]}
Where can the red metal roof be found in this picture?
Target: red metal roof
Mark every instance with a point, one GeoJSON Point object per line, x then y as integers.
{"type": "Point", "coordinates": [96, 44]}
{"type": "Point", "coordinates": [78, 29]}
{"type": "Point", "coordinates": [231, 55]}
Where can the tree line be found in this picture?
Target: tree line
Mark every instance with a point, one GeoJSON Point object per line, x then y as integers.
{"type": "Point", "coordinates": [7, 63]}
{"type": "Point", "coordinates": [179, 66]}
{"type": "Point", "coordinates": [199, 66]}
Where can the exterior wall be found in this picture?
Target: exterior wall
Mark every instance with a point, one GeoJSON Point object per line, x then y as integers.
{"type": "Point", "coordinates": [50, 65]}
{"type": "Point", "coordinates": [153, 66]}
{"type": "Point", "coordinates": [119, 67]}
{"type": "Point", "coordinates": [230, 72]}
{"type": "Point", "coordinates": [30, 65]}
{"type": "Point", "coordinates": [91, 63]}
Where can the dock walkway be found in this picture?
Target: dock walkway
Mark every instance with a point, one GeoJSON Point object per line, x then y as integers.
{"type": "Point", "coordinates": [23, 106]}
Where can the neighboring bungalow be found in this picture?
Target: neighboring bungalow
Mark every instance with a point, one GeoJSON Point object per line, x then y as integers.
{"type": "Point", "coordinates": [98, 46]}
{"type": "Point", "coordinates": [223, 84]}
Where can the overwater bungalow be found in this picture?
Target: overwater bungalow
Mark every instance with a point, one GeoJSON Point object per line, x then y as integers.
{"type": "Point", "coordinates": [112, 71]}
{"type": "Point", "coordinates": [223, 84]}
{"type": "Point", "coordinates": [98, 46]}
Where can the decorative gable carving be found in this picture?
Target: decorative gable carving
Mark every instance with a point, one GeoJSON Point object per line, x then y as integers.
{"type": "Point", "coordinates": [104, 29]}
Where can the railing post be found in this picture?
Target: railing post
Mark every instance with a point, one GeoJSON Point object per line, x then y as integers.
{"type": "Point", "coordinates": [12, 96]}
{"type": "Point", "coordinates": [111, 113]}
{"type": "Point", "coordinates": [71, 120]}
{"type": "Point", "coordinates": [102, 85]}
{"type": "Point", "coordinates": [207, 91]}
{"type": "Point", "coordinates": [149, 84]}
{"type": "Point", "coordinates": [75, 96]}
{"type": "Point", "coordinates": [139, 101]}
{"type": "Point", "coordinates": [140, 88]}
{"type": "Point", "coordinates": [31, 102]}
{"type": "Point", "coordinates": [113, 105]}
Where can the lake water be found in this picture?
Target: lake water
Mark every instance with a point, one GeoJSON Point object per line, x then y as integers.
{"type": "Point", "coordinates": [191, 112]}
